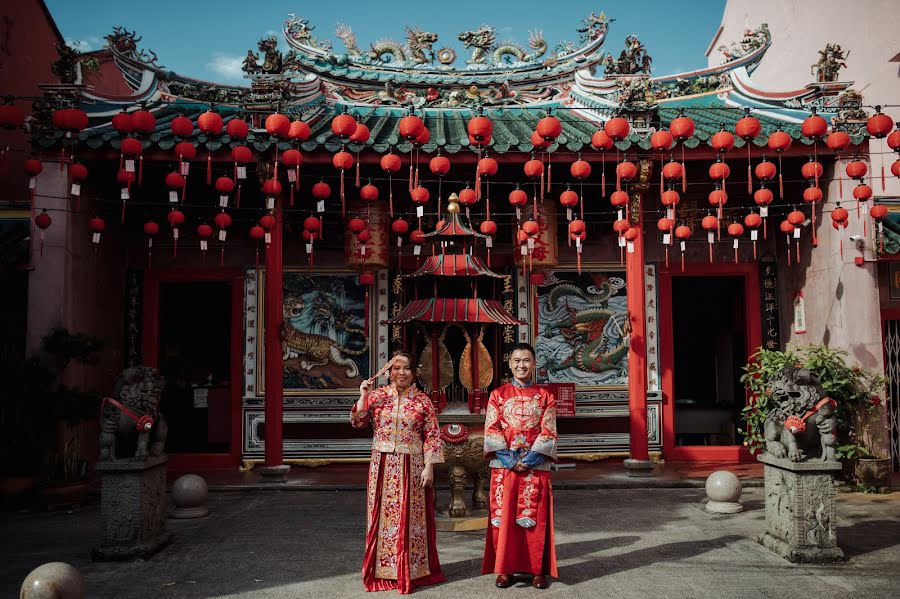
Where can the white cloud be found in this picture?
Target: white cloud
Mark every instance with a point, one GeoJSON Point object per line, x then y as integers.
{"type": "Point", "coordinates": [87, 44]}
{"type": "Point", "coordinates": [226, 66]}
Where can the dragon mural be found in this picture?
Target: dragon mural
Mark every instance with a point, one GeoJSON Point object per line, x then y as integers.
{"type": "Point", "coordinates": [581, 333]}
{"type": "Point", "coordinates": [483, 43]}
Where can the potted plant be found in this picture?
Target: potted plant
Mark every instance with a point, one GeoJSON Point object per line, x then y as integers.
{"type": "Point", "coordinates": [859, 407]}
{"type": "Point", "coordinates": [56, 411]}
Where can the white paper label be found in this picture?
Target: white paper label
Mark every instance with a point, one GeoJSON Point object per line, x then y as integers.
{"type": "Point", "coordinates": [796, 232]}
{"type": "Point", "coordinates": [242, 172]}
{"type": "Point", "coordinates": [621, 241]}
{"type": "Point", "coordinates": [764, 211]}
{"type": "Point", "coordinates": [185, 168]}
{"type": "Point", "coordinates": [489, 242]}
{"type": "Point", "coordinates": [309, 248]}
{"type": "Point", "coordinates": [268, 238]}
{"type": "Point", "coordinates": [270, 203]}
{"type": "Point", "coordinates": [630, 247]}
{"type": "Point", "coordinates": [683, 245]}
{"type": "Point", "coordinates": [420, 211]}
{"type": "Point", "coordinates": [670, 213]}
{"type": "Point", "coordinates": [523, 249]}
{"type": "Point", "coordinates": [568, 213]}
{"type": "Point", "coordinates": [399, 241]}
{"type": "Point", "coordinates": [710, 237]}
{"type": "Point", "coordinates": [203, 245]}
{"type": "Point", "coordinates": [754, 234]}
{"type": "Point", "coordinates": [129, 166]}
{"type": "Point", "coordinates": [417, 249]}
{"type": "Point", "coordinates": [32, 183]}
{"type": "Point", "coordinates": [292, 175]}
{"type": "Point", "coordinates": [531, 243]}
{"type": "Point", "coordinates": [173, 196]}
{"type": "Point", "coordinates": [175, 233]}
{"type": "Point", "coordinates": [149, 242]}
{"type": "Point", "coordinates": [223, 201]}
{"type": "Point", "coordinates": [222, 234]}
{"type": "Point", "coordinates": [735, 244]}
{"type": "Point", "coordinates": [76, 189]}
{"type": "Point", "coordinates": [799, 315]}
{"type": "Point", "coordinates": [320, 206]}
{"type": "Point", "coordinates": [619, 214]}
{"type": "Point", "coordinates": [667, 238]}
{"type": "Point", "coordinates": [125, 194]}
{"type": "Point", "coordinates": [362, 250]}
{"type": "Point", "coordinates": [518, 213]}
{"type": "Point", "coordinates": [96, 238]}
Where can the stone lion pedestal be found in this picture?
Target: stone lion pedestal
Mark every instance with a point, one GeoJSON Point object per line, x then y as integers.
{"type": "Point", "coordinates": [132, 509]}
{"type": "Point", "coordinates": [800, 510]}
{"type": "Point", "coordinates": [464, 460]}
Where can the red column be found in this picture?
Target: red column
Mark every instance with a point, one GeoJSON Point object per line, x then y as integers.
{"type": "Point", "coordinates": [637, 349]}
{"type": "Point", "coordinates": [274, 366]}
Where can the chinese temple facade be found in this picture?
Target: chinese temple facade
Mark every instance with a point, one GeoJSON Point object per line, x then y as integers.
{"type": "Point", "coordinates": [268, 246]}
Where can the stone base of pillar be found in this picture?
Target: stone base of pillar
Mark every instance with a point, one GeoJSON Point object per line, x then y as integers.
{"type": "Point", "coordinates": [642, 468]}
{"type": "Point", "coordinates": [132, 509]}
{"type": "Point", "coordinates": [801, 522]}
{"type": "Point", "coordinates": [273, 474]}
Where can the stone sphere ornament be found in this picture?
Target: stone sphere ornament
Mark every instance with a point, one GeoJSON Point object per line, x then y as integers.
{"type": "Point", "coordinates": [189, 493]}
{"type": "Point", "coordinates": [723, 488]}
{"type": "Point", "coordinates": [54, 580]}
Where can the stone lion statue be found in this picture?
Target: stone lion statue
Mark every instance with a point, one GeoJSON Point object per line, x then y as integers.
{"type": "Point", "coordinates": [802, 426]}
{"type": "Point", "coordinates": [138, 390]}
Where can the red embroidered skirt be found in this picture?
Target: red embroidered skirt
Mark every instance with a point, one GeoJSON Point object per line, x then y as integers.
{"type": "Point", "coordinates": [400, 536]}
{"type": "Point", "coordinates": [520, 531]}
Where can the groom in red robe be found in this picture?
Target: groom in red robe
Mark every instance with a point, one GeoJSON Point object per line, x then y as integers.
{"type": "Point", "coordinates": [520, 441]}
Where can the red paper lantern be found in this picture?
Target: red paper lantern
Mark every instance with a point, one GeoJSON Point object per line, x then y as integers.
{"type": "Point", "coordinates": [439, 165]}
{"type": "Point", "coordinates": [840, 215]}
{"type": "Point", "coordinates": [837, 141]}
{"type": "Point", "coordinates": [364, 236]}
{"type": "Point", "coordinates": [11, 116]}
{"type": "Point", "coordinates": [719, 171]}
{"type": "Point", "coordinates": [576, 227]}
{"type": "Point", "coordinates": [857, 169]}
{"type": "Point", "coordinates": [796, 218]}
{"type": "Point", "coordinates": [417, 236]}
{"type": "Point", "coordinates": [312, 224]}
{"type": "Point", "coordinates": [626, 170]}
{"type": "Point", "coordinates": [753, 220]}
{"type": "Point", "coordinates": [779, 141]}
{"type": "Point", "coordinates": [531, 228]}
{"type": "Point", "coordinates": [580, 169]}
{"type": "Point", "coordinates": [878, 212]}
{"type": "Point", "coordinates": [812, 194]}
{"type": "Point", "coordinates": [619, 198]}
{"type": "Point", "coordinates": [343, 126]}
{"type": "Point", "coordinates": [709, 222]}
{"type": "Point", "coordinates": [748, 128]}
{"type": "Point", "coordinates": [151, 228]}
{"type": "Point", "coordinates": [174, 181]}
{"type": "Point", "coordinates": [368, 193]}
{"type": "Point", "coordinates": [549, 128]}
{"type": "Point", "coordinates": [272, 188]}
{"type": "Point", "coordinates": [125, 178]}
{"type": "Point", "coordinates": [682, 128]}
{"type": "Point", "coordinates": [480, 129]}
{"type": "Point", "coordinates": [420, 195]}
{"type": "Point", "coordinates": [735, 229]}
{"type": "Point", "coordinates": [342, 160]}
{"type": "Point", "coordinates": [360, 135]}
{"type": "Point", "coordinates": [487, 166]}
{"type": "Point", "coordinates": [185, 150]}
{"type": "Point", "coordinates": [222, 220]}
{"type": "Point", "coordinates": [617, 128]}
{"type": "Point", "coordinates": [291, 158]}
{"type": "Point", "coordinates": [539, 142]}
{"type": "Point", "coordinates": [600, 140]}
{"type": "Point", "coordinates": [862, 192]}
{"type": "Point", "coordinates": [241, 154]}
{"type": "Point", "coordinates": [893, 140]}
{"type": "Point", "coordinates": [765, 170]}
{"type": "Point", "coordinates": [488, 227]}
{"type": "Point", "coordinates": [411, 127]}
{"type": "Point", "coordinates": [33, 167]}
{"type": "Point", "coordinates": [722, 141]}
{"type": "Point", "coordinates": [267, 222]}
{"type": "Point", "coordinates": [423, 138]}
{"type": "Point", "coordinates": [621, 225]}
{"type": "Point", "coordinates": [390, 163]}
{"type": "Point", "coordinates": [665, 225]}
{"type": "Point", "coordinates": [670, 198]}
{"type": "Point", "coordinates": [210, 123]}
{"type": "Point", "coordinates": [122, 123]}
{"type": "Point", "coordinates": [204, 231]}
{"type": "Point", "coordinates": [467, 196]}
{"type": "Point", "coordinates": [718, 197]}
{"type": "Point", "coordinates": [131, 147]}
{"type": "Point", "coordinates": [879, 124]}
{"type": "Point", "coordinates": [182, 126]}
{"type": "Point", "coordinates": [43, 220]}
{"type": "Point", "coordinates": [568, 198]}
{"type": "Point", "coordinates": [814, 126]}
{"type": "Point", "coordinates": [237, 129]}
{"type": "Point", "coordinates": [78, 172]}
{"type": "Point", "coordinates": [224, 185]}
{"type": "Point", "coordinates": [97, 225]}
{"type": "Point", "coordinates": [355, 225]}
{"type": "Point", "coordinates": [763, 196]}
{"type": "Point", "coordinates": [518, 198]}
{"type": "Point", "coordinates": [277, 125]}
{"type": "Point", "coordinates": [175, 218]}
{"type": "Point", "coordinates": [812, 170]}
{"type": "Point", "coordinates": [662, 141]}
{"type": "Point", "coordinates": [534, 169]}
{"type": "Point", "coordinates": [257, 232]}
{"type": "Point", "coordinates": [682, 232]}
{"type": "Point", "coordinates": [673, 170]}
{"type": "Point", "coordinates": [143, 121]}
{"type": "Point", "coordinates": [631, 234]}
{"type": "Point", "coordinates": [895, 168]}
{"type": "Point", "coordinates": [399, 227]}
{"type": "Point", "coordinates": [786, 227]}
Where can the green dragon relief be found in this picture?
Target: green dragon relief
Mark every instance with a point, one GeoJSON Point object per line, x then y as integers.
{"type": "Point", "coordinates": [418, 46]}
{"type": "Point", "coordinates": [482, 42]}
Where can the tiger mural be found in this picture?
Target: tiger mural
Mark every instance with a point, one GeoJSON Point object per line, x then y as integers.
{"type": "Point", "coordinates": [315, 350]}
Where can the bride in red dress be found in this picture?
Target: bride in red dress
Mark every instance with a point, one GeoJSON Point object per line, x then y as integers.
{"type": "Point", "coordinates": [400, 534]}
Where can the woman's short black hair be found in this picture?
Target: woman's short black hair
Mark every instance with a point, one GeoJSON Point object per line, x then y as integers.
{"type": "Point", "coordinates": [524, 347]}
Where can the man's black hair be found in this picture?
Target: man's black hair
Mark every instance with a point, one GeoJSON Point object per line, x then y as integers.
{"type": "Point", "coordinates": [523, 346]}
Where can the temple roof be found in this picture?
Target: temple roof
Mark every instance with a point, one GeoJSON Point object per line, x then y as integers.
{"type": "Point", "coordinates": [455, 265]}
{"type": "Point", "coordinates": [454, 310]}
{"type": "Point", "coordinates": [452, 225]}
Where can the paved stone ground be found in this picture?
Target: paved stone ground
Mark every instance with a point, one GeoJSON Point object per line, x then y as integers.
{"type": "Point", "coordinates": [618, 543]}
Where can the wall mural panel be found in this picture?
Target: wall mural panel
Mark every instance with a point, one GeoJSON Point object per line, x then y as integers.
{"type": "Point", "coordinates": [581, 335]}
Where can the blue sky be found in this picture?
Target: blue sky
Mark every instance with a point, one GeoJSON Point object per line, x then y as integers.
{"type": "Point", "coordinates": [208, 40]}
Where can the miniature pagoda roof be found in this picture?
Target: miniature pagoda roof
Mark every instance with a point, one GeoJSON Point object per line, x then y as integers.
{"type": "Point", "coordinates": [455, 265]}
{"type": "Point", "coordinates": [452, 225]}
{"type": "Point", "coordinates": [454, 310]}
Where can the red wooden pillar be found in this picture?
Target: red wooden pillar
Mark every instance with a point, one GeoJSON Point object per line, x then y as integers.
{"type": "Point", "coordinates": [274, 469]}
{"type": "Point", "coordinates": [639, 463]}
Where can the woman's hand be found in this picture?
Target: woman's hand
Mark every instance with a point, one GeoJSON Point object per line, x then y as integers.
{"type": "Point", "coordinates": [427, 475]}
{"type": "Point", "coordinates": [365, 387]}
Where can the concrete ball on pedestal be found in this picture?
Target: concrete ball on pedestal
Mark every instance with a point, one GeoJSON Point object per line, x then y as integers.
{"type": "Point", "coordinates": [724, 491]}
{"type": "Point", "coordinates": [54, 580]}
{"type": "Point", "coordinates": [189, 493]}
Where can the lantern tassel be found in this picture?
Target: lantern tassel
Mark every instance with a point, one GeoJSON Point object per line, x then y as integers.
{"type": "Point", "coordinates": [710, 253]}
{"type": "Point", "coordinates": [603, 175]}
{"type": "Point", "coordinates": [865, 220]}
{"type": "Point", "coordinates": [175, 246]}
{"type": "Point", "coordinates": [390, 196]}
{"type": "Point", "coordinates": [141, 170]}
{"type": "Point", "coordinates": [683, 171]}
{"type": "Point", "coordinates": [788, 243]}
{"type": "Point", "coordinates": [222, 255]}
{"type": "Point", "coordinates": [682, 261]}
{"type": "Point", "coordinates": [749, 171]}
{"type": "Point", "coordinates": [815, 237]}
{"type": "Point", "coordinates": [780, 179]}
{"type": "Point", "coordinates": [764, 229]}
{"type": "Point", "coordinates": [237, 201]}
{"type": "Point", "coordinates": [123, 211]}
{"type": "Point", "coordinates": [661, 189]}
{"type": "Point", "coordinates": [549, 172]}
{"type": "Point", "coordinates": [754, 249]}
{"type": "Point", "coordinates": [411, 175]}
{"type": "Point", "coordinates": [357, 170]}
{"type": "Point", "coordinates": [343, 204]}
{"type": "Point", "coordinates": [292, 196]}
{"type": "Point", "coordinates": [797, 255]}
{"type": "Point", "coordinates": [667, 257]}
{"type": "Point", "coordinates": [209, 167]}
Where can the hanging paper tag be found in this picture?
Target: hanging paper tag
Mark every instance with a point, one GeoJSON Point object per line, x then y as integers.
{"type": "Point", "coordinates": [489, 242]}
{"type": "Point", "coordinates": [667, 238]}
{"type": "Point", "coordinates": [420, 211]}
{"type": "Point", "coordinates": [223, 201]}
{"type": "Point", "coordinates": [268, 238]}
{"type": "Point", "coordinates": [754, 234]}
{"type": "Point", "coordinates": [621, 241]}
{"type": "Point", "coordinates": [149, 242]}
{"type": "Point", "coordinates": [735, 245]}
{"type": "Point", "coordinates": [173, 196]}
{"type": "Point", "coordinates": [710, 236]}
{"type": "Point", "coordinates": [683, 245]}
{"type": "Point", "coordinates": [619, 214]}
{"type": "Point", "coordinates": [292, 175]}
{"type": "Point", "coordinates": [399, 241]}
{"type": "Point", "coordinates": [523, 249]}
{"type": "Point", "coordinates": [630, 247]}
{"type": "Point", "coordinates": [578, 243]}
{"type": "Point", "coordinates": [670, 213]}
{"type": "Point", "coordinates": [222, 234]}
{"type": "Point", "coordinates": [518, 213]}
{"type": "Point", "coordinates": [880, 227]}
{"type": "Point", "coordinates": [320, 206]}
{"type": "Point", "coordinates": [417, 249]}
{"type": "Point", "coordinates": [796, 232]}
{"type": "Point", "coordinates": [129, 165]}
{"type": "Point", "coordinates": [764, 211]}
{"type": "Point", "coordinates": [270, 203]}
{"type": "Point", "coordinates": [799, 315]}
{"type": "Point", "coordinates": [185, 168]}
{"type": "Point", "coordinates": [76, 189]}
{"type": "Point", "coordinates": [96, 238]}
{"type": "Point", "coordinates": [309, 248]}
{"type": "Point", "coordinates": [125, 194]}
{"type": "Point", "coordinates": [568, 213]}
{"type": "Point", "coordinates": [203, 245]}
{"type": "Point", "coordinates": [32, 183]}
{"type": "Point", "coordinates": [174, 233]}
{"type": "Point", "coordinates": [242, 172]}
{"type": "Point", "coordinates": [531, 243]}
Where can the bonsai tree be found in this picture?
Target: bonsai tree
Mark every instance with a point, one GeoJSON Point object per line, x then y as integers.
{"type": "Point", "coordinates": [43, 403]}
{"type": "Point", "coordinates": [856, 391]}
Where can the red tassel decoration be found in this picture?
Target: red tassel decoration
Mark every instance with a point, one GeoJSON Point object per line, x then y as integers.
{"type": "Point", "coordinates": [603, 175]}
{"type": "Point", "coordinates": [683, 171]}
{"type": "Point", "coordinates": [209, 167]}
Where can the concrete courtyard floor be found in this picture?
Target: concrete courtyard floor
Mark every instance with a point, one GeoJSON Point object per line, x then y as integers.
{"type": "Point", "coordinates": [610, 542]}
